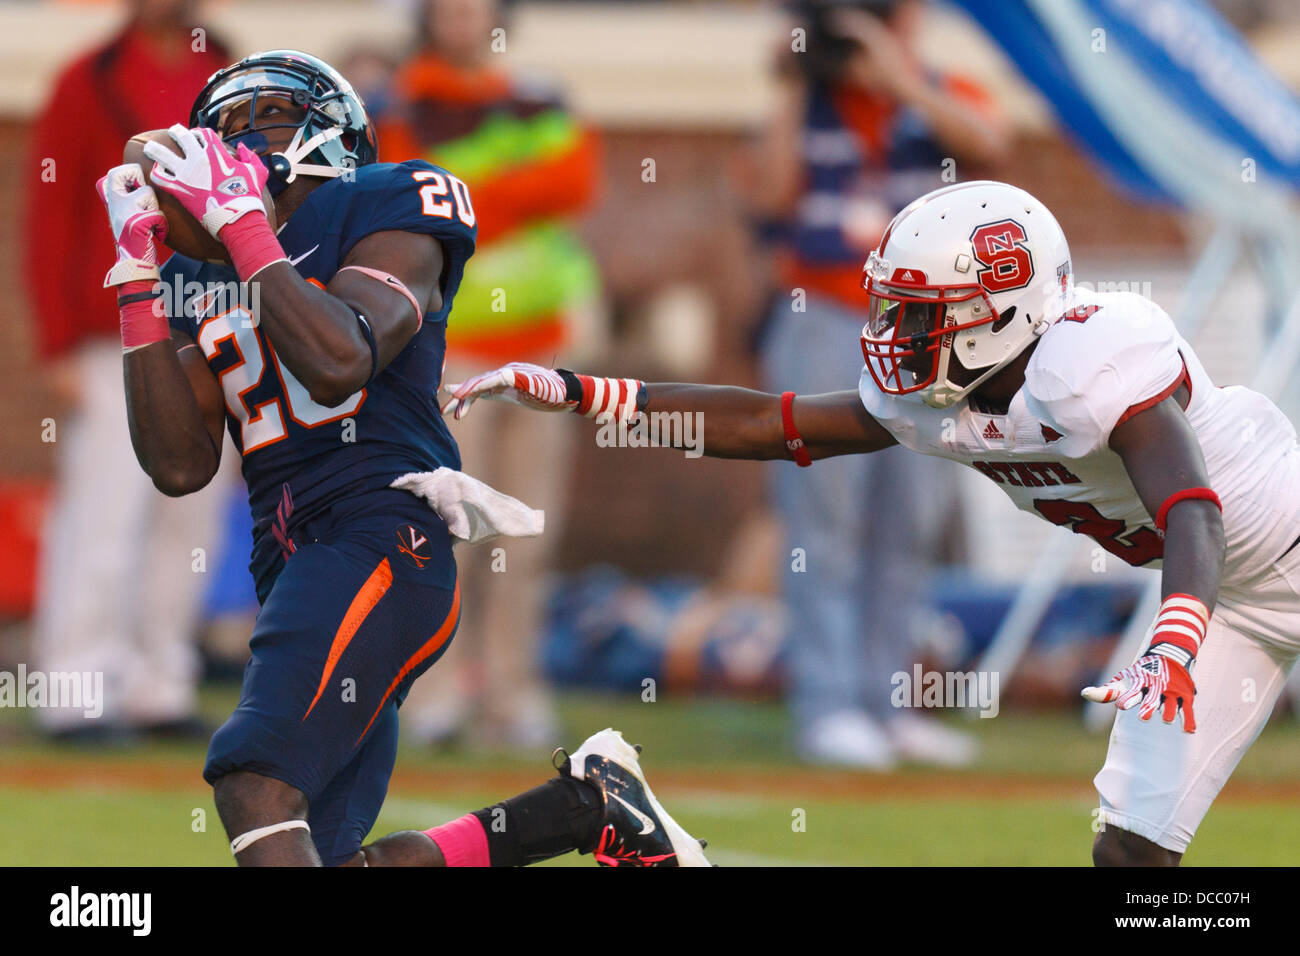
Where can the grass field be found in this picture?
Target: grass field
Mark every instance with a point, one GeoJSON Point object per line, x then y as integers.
{"type": "Point", "coordinates": [723, 768]}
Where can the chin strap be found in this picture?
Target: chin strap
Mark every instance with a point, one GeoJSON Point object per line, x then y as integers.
{"type": "Point", "coordinates": [286, 166]}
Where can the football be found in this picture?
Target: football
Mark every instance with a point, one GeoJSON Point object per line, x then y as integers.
{"type": "Point", "coordinates": [185, 234]}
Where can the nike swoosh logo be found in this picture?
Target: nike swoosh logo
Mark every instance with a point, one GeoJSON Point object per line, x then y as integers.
{"type": "Point", "coordinates": [223, 160]}
{"type": "Point", "coordinates": [647, 825]}
{"type": "Point", "coordinates": [200, 303]}
{"type": "Point", "coordinates": [294, 262]}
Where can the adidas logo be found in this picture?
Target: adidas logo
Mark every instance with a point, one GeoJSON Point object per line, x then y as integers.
{"type": "Point", "coordinates": [905, 277]}
{"type": "Point", "coordinates": [991, 432]}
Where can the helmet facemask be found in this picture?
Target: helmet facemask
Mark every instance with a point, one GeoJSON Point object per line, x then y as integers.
{"type": "Point", "coordinates": [332, 133]}
{"type": "Point", "coordinates": [907, 341]}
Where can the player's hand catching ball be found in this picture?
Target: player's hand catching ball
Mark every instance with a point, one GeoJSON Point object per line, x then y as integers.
{"type": "Point", "coordinates": [1161, 677]}
{"type": "Point", "coordinates": [215, 187]}
{"type": "Point", "coordinates": [136, 222]}
{"type": "Point", "coordinates": [549, 390]}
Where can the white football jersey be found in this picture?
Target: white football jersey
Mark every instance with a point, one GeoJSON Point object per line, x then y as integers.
{"type": "Point", "coordinates": [1114, 355]}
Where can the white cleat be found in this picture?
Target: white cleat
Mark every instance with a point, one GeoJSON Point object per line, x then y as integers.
{"type": "Point", "coordinates": [636, 830]}
{"type": "Point", "coordinates": [848, 739]}
{"type": "Point", "coordinates": [929, 741]}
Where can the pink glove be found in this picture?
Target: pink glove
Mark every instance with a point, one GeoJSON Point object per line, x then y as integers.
{"type": "Point", "coordinates": [136, 222]}
{"type": "Point", "coordinates": [218, 190]}
{"type": "Point", "coordinates": [213, 186]}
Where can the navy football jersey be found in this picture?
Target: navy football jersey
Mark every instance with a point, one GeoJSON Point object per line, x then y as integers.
{"type": "Point", "coordinates": [299, 457]}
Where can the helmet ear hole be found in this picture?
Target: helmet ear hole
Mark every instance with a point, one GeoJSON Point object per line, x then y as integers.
{"type": "Point", "coordinates": [1003, 320]}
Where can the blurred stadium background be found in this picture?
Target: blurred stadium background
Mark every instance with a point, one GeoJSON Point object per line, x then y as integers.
{"type": "Point", "coordinates": [680, 580]}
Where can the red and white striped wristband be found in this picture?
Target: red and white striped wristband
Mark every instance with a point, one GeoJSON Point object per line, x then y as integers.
{"type": "Point", "coordinates": [1179, 629]}
{"type": "Point", "coordinates": [623, 398]}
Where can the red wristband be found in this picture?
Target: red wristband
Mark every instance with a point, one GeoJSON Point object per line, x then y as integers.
{"type": "Point", "coordinates": [793, 440]}
{"type": "Point", "coordinates": [143, 322]}
{"type": "Point", "coordinates": [1206, 494]}
{"type": "Point", "coordinates": [251, 244]}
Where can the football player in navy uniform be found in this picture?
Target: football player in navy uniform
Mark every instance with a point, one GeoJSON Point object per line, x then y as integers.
{"type": "Point", "coordinates": [325, 370]}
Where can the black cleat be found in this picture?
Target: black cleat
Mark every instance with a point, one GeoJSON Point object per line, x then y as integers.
{"type": "Point", "coordinates": [635, 830]}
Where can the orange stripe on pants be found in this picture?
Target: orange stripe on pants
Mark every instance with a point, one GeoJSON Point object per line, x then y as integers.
{"type": "Point", "coordinates": [431, 646]}
{"type": "Point", "coordinates": [363, 603]}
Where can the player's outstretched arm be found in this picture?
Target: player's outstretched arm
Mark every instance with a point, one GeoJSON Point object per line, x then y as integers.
{"type": "Point", "coordinates": [1164, 461]}
{"type": "Point", "coordinates": [736, 422]}
{"type": "Point", "coordinates": [742, 423]}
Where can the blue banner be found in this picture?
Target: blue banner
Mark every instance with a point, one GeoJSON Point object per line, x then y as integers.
{"type": "Point", "coordinates": [1163, 93]}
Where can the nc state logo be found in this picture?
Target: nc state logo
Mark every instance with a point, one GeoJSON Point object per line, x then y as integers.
{"type": "Point", "coordinates": [413, 543]}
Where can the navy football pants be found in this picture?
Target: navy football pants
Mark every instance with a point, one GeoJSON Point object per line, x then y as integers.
{"type": "Point", "coordinates": [366, 603]}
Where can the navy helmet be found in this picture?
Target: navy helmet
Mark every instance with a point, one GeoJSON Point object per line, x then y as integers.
{"type": "Point", "coordinates": [333, 134]}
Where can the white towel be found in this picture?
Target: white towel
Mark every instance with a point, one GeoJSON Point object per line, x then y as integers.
{"type": "Point", "coordinates": [472, 510]}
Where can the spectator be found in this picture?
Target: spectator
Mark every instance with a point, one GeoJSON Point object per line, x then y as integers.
{"type": "Point", "coordinates": [860, 130]}
{"type": "Point", "coordinates": [530, 166]}
{"type": "Point", "coordinates": [118, 590]}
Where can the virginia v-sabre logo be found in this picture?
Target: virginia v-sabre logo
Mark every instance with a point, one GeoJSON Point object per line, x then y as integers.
{"type": "Point", "coordinates": [75, 909]}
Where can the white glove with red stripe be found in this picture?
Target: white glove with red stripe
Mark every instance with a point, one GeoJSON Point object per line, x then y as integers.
{"type": "Point", "coordinates": [1162, 677]}
{"type": "Point", "coordinates": [550, 390]}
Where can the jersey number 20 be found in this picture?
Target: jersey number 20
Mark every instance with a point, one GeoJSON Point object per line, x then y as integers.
{"type": "Point", "coordinates": [263, 424]}
{"type": "Point", "coordinates": [433, 196]}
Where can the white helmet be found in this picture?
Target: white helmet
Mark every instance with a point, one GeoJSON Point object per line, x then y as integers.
{"type": "Point", "coordinates": [964, 279]}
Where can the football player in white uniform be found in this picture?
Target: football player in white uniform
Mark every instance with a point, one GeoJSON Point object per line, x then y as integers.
{"type": "Point", "coordinates": [1086, 408]}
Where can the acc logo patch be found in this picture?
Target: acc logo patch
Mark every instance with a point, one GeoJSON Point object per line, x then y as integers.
{"type": "Point", "coordinates": [414, 544]}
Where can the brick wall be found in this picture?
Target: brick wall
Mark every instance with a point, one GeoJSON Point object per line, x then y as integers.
{"type": "Point", "coordinates": [23, 400]}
